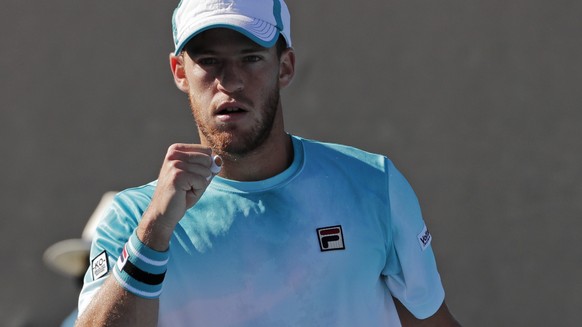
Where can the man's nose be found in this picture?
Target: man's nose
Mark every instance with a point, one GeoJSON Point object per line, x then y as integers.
{"type": "Point", "coordinates": [230, 80]}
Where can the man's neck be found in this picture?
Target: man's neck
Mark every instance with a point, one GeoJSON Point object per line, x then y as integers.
{"type": "Point", "coordinates": [270, 159]}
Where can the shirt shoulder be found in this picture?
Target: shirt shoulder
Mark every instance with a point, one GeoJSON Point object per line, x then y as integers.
{"type": "Point", "coordinates": [347, 156]}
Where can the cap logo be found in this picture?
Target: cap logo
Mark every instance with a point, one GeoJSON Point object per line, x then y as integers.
{"type": "Point", "coordinates": [100, 265]}
{"type": "Point", "coordinates": [331, 238]}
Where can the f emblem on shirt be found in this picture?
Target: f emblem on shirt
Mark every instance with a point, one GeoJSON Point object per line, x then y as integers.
{"type": "Point", "coordinates": [331, 238]}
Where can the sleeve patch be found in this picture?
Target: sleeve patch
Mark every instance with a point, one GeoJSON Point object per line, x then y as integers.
{"type": "Point", "coordinates": [424, 238]}
{"type": "Point", "coordinates": [100, 265]}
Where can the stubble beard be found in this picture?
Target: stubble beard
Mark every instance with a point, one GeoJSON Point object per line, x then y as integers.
{"type": "Point", "coordinates": [232, 143]}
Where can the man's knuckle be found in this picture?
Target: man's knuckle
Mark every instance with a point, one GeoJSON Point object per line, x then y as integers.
{"type": "Point", "coordinates": [173, 147]}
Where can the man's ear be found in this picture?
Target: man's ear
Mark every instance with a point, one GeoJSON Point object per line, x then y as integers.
{"type": "Point", "coordinates": [286, 67]}
{"type": "Point", "coordinates": [179, 72]}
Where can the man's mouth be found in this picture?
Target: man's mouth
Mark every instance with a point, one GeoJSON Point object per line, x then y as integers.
{"type": "Point", "coordinates": [230, 110]}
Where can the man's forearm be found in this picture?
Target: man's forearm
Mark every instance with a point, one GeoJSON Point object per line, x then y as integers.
{"type": "Point", "coordinates": [442, 318]}
{"type": "Point", "coordinates": [114, 306]}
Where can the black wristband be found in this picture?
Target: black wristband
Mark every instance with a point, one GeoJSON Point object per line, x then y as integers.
{"type": "Point", "coordinates": [143, 276]}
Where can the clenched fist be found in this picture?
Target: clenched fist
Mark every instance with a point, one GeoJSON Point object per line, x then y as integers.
{"type": "Point", "coordinates": [185, 174]}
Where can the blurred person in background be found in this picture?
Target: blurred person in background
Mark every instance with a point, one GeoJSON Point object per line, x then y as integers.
{"type": "Point", "coordinates": [70, 258]}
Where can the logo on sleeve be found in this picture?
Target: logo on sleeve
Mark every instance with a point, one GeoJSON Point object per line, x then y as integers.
{"type": "Point", "coordinates": [424, 238]}
{"type": "Point", "coordinates": [331, 238]}
{"type": "Point", "coordinates": [100, 266]}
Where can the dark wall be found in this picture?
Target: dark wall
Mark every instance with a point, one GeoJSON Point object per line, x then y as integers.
{"type": "Point", "coordinates": [477, 102]}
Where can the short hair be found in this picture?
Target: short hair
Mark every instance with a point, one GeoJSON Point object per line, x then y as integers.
{"type": "Point", "coordinates": [281, 45]}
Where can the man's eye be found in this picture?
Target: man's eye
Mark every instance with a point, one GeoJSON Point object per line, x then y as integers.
{"type": "Point", "coordinates": [252, 58]}
{"type": "Point", "coordinates": [207, 61]}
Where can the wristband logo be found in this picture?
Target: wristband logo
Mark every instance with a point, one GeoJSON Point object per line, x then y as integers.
{"type": "Point", "coordinates": [100, 265]}
{"type": "Point", "coordinates": [122, 258]}
{"type": "Point", "coordinates": [331, 238]}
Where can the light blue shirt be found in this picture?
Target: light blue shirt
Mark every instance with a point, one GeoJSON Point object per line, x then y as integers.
{"type": "Point", "coordinates": [328, 241]}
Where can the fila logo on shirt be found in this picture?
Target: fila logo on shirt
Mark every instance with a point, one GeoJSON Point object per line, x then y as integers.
{"type": "Point", "coordinates": [331, 238]}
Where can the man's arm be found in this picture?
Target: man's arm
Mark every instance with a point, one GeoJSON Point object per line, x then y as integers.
{"type": "Point", "coordinates": [441, 318]}
{"type": "Point", "coordinates": [184, 177]}
{"type": "Point", "coordinates": [114, 306]}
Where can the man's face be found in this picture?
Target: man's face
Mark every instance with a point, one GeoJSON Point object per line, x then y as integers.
{"type": "Point", "coordinates": [233, 87]}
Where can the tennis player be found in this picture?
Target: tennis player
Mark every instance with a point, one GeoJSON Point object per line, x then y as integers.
{"type": "Point", "coordinates": [291, 232]}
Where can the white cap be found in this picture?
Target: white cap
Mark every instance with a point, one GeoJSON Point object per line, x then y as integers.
{"type": "Point", "coordinates": [71, 257]}
{"type": "Point", "coordinates": [260, 20]}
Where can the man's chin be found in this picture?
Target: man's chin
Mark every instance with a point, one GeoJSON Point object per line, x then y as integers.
{"type": "Point", "coordinates": [237, 145]}
{"type": "Point", "coordinates": [229, 144]}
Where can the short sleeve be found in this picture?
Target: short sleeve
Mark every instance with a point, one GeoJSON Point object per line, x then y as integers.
{"type": "Point", "coordinates": [411, 270]}
{"type": "Point", "coordinates": [112, 232]}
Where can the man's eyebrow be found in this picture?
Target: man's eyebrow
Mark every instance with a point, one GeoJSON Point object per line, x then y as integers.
{"type": "Point", "coordinates": [253, 49]}
{"type": "Point", "coordinates": [195, 52]}
{"type": "Point", "coordinates": [202, 51]}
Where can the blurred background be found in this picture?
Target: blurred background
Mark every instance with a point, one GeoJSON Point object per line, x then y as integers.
{"type": "Point", "coordinates": [477, 102]}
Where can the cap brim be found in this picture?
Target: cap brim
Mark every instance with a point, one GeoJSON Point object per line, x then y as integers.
{"type": "Point", "coordinates": [257, 30]}
{"type": "Point", "coordinates": [68, 257]}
